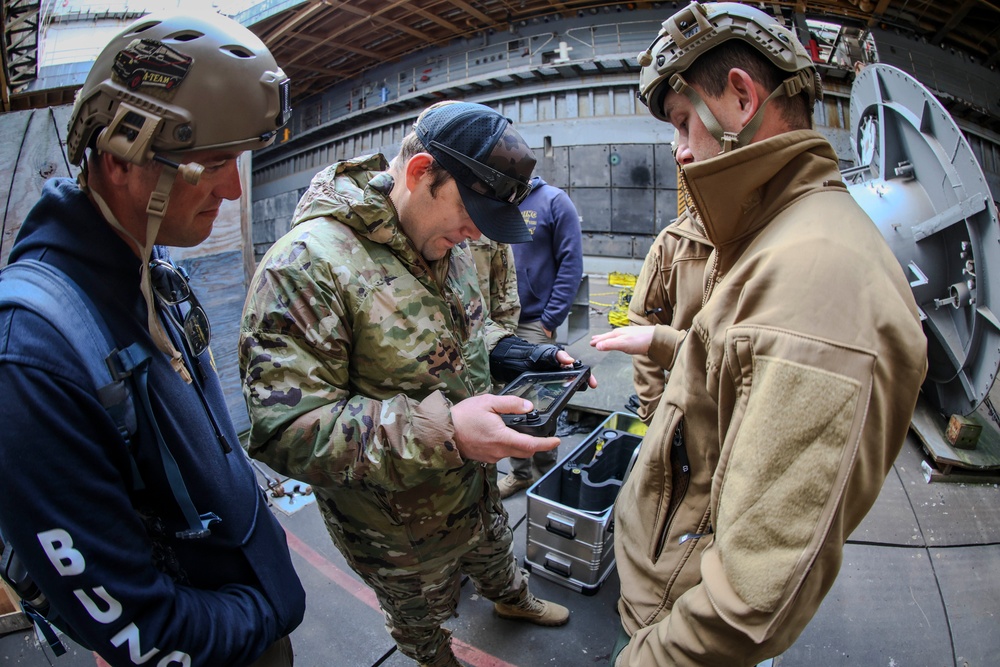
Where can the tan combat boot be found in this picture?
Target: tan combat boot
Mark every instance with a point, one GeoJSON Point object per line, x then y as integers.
{"type": "Point", "coordinates": [510, 485]}
{"type": "Point", "coordinates": [534, 610]}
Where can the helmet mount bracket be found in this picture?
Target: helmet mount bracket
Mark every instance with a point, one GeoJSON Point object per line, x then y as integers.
{"type": "Point", "coordinates": [130, 134]}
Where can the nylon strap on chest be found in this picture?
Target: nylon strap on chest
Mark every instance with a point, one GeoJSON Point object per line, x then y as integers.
{"type": "Point", "coordinates": [53, 296]}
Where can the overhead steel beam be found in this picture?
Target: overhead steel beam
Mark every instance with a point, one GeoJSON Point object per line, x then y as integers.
{"type": "Point", "coordinates": [20, 31]}
{"type": "Point", "coordinates": [431, 16]}
{"type": "Point", "coordinates": [956, 18]}
{"type": "Point", "coordinates": [376, 17]}
{"type": "Point", "coordinates": [289, 26]}
{"type": "Point", "coordinates": [877, 14]}
{"type": "Point", "coordinates": [475, 13]}
{"type": "Point", "coordinates": [339, 45]}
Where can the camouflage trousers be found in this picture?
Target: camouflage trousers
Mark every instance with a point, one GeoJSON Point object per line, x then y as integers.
{"type": "Point", "coordinates": [417, 599]}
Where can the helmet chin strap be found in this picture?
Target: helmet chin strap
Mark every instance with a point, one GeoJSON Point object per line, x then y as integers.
{"type": "Point", "coordinates": [155, 209]}
{"type": "Point", "coordinates": [730, 140]}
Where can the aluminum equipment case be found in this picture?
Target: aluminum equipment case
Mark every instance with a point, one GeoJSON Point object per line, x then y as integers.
{"type": "Point", "coordinates": [570, 523]}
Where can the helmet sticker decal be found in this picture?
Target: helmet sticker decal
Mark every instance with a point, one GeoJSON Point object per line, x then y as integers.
{"type": "Point", "coordinates": [148, 62]}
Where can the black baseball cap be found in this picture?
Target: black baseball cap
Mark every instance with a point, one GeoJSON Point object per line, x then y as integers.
{"type": "Point", "coordinates": [489, 160]}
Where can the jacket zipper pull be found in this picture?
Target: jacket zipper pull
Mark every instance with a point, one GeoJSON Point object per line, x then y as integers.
{"type": "Point", "coordinates": [692, 536]}
{"type": "Point", "coordinates": [680, 451]}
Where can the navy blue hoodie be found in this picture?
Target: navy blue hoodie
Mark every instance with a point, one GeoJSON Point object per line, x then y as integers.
{"type": "Point", "coordinates": [550, 267]}
{"type": "Point", "coordinates": [104, 555]}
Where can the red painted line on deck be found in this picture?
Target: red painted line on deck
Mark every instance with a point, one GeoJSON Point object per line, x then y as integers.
{"type": "Point", "coordinates": [467, 653]}
{"type": "Point", "coordinates": [475, 657]}
{"type": "Point", "coordinates": [332, 572]}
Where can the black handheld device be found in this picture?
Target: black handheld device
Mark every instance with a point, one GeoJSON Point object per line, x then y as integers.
{"type": "Point", "coordinates": [549, 393]}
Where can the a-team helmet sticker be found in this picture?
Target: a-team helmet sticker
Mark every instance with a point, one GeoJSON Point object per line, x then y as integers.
{"type": "Point", "coordinates": [148, 62]}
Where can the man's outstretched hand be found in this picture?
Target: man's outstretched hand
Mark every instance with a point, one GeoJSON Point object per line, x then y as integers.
{"type": "Point", "coordinates": [634, 339]}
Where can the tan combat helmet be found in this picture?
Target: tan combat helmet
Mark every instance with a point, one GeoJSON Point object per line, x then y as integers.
{"type": "Point", "coordinates": [167, 85]}
{"type": "Point", "coordinates": [175, 83]}
{"type": "Point", "coordinates": [698, 28]}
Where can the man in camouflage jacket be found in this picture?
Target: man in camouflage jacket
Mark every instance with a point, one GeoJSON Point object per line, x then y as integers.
{"type": "Point", "coordinates": [365, 348]}
{"type": "Point", "coordinates": [497, 280]}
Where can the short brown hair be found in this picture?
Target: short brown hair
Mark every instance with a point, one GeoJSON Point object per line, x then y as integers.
{"type": "Point", "coordinates": [711, 71]}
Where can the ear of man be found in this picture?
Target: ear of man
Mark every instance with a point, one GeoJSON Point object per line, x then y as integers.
{"type": "Point", "coordinates": [417, 168]}
{"type": "Point", "coordinates": [742, 98]}
{"type": "Point", "coordinates": [749, 94]}
{"type": "Point", "coordinates": [746, 94]}
{"type": "Point", "coordinates": [424, 166]}
{"type": "Point", "coordinates": [710, 74]}
{"type": "Point", "coordinates": [109, 168]}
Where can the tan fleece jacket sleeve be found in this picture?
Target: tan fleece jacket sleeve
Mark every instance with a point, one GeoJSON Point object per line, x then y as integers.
{"type": "Point", "coordinates": [649, 305]}
{"type": "Point", "coordinates": [666, 341]}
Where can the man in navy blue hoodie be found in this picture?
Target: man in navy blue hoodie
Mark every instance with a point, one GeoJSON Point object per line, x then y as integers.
{"type": "Point", "coordinates": [160, 550]}
{"type": "Point", "coordinates": [549, 269]}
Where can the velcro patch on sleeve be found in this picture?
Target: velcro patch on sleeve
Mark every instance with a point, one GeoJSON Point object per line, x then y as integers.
{"type": "Point", "coordinates": [781, 471]}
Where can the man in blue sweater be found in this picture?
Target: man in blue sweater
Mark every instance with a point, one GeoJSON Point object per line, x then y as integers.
{"type": "Point", "coordinates": [156, 547]}
{"type": "Point", "coordinates": [549, 270]}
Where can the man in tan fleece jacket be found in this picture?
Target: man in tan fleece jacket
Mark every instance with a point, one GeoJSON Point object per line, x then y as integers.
{"type": "Point", "coordinates": [790, 395]}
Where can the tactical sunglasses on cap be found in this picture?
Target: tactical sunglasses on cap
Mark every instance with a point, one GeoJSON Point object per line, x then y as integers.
{"type": "Point", "coordinates": [171, 287]}
{"type": "Point", "coordinates": [501, 186]}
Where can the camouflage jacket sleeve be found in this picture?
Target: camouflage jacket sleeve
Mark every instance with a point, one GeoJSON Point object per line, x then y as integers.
{"type": "Point", "coordinates": [505, 307]}
{"type": "Point", "coordinates": [498, 283]}
{"type": "Point", "coordinates": [309, 419]}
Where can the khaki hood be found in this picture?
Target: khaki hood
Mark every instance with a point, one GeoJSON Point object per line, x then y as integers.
{"type": "Point", "coordinates": [355, 193]}
{"type": "Point", "coordinates": [736, 194]}
{"type": "Point", "coordinates": [351, 193]}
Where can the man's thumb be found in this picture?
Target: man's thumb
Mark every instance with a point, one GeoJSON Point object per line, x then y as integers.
{"type": "Point", "coordinates": [511, 405]}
